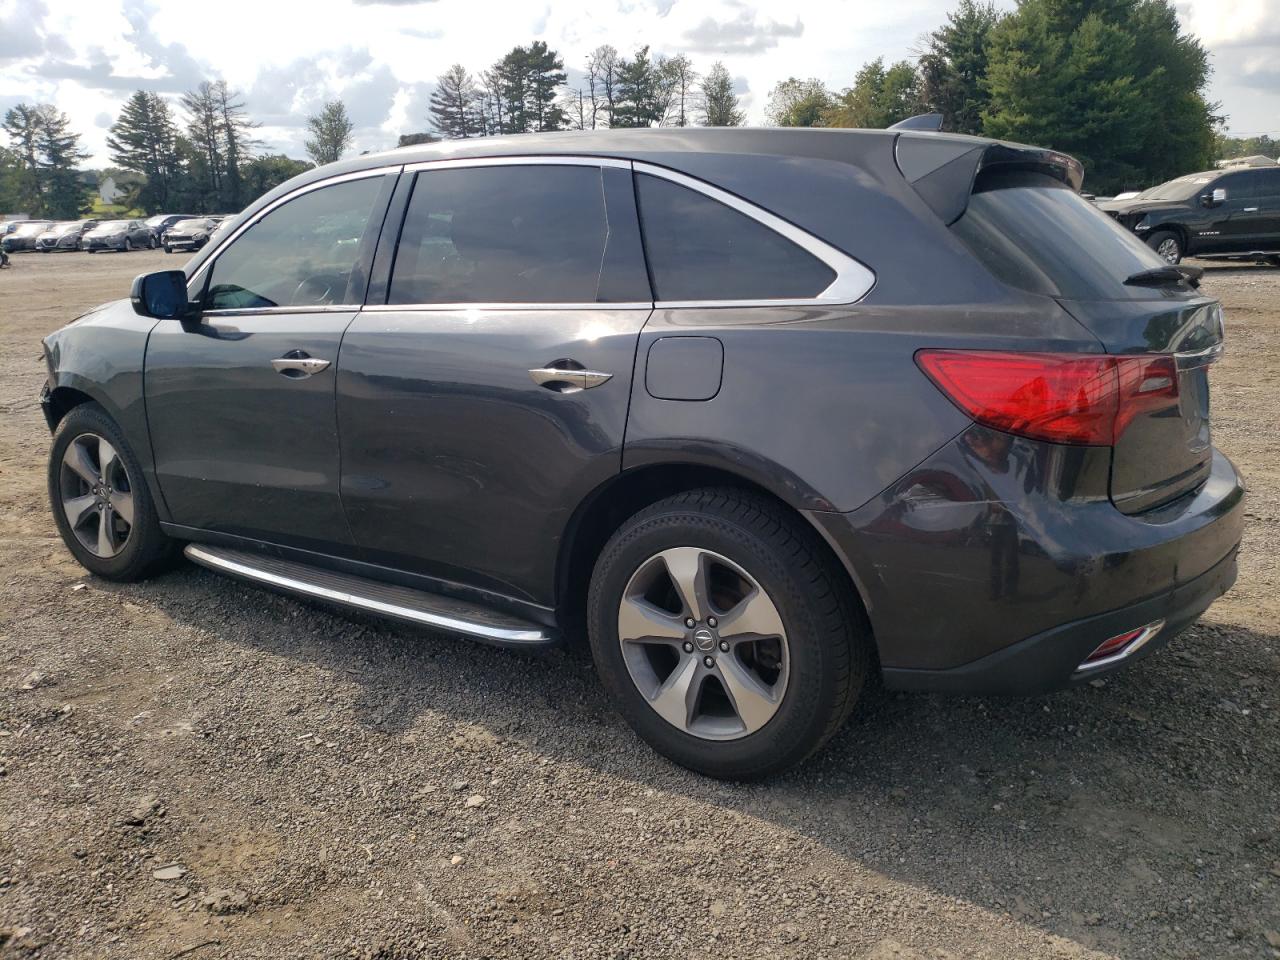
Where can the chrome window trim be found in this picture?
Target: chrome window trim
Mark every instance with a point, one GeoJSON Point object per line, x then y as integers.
{"type": "Point", "coordinates": [281, 201]}
{"type": "Point", "coordinates": [259, 311]}
{"type": "Point", "coordinates": [853, 280]}
{"type": "Point", "coordinates": [531, 160]}
{"type": "Point", "coordinates": [499, 307]}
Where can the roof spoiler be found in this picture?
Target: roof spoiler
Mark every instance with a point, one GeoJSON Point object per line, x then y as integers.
{"type": "Point", "coordinates": [943, 170]}
{"type": "Point", "coordinates": [921, 121]}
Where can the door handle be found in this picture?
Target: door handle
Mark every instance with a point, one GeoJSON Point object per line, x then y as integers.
{"type": "Point", "coordinates": [568, 376]}
{"type": "Point", "coordinates": [298, 365]}
{"type": "Point", "coordinates": [1250, 209]}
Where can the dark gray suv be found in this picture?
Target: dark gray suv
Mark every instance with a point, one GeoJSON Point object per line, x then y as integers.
{"type": "Point", "coordinates": [759, 412]}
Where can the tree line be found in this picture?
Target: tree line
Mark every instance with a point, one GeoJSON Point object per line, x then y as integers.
{"type": "Point", "coordinates": [1115, 83]}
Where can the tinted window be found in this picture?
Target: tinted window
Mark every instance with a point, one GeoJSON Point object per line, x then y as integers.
{"type": "Point", "coordinates": [507, 234]}
{"type": "Point", "coordinates": [700, 249]}
{"type": "Point", "coordinates": [304, 253]}
{"type": "Point", "coordinates": [1240, 186]}
{"type": "Point", "coordinates": [1269, 184]}
{"type": "Point", "coordinates": [1037, 234]}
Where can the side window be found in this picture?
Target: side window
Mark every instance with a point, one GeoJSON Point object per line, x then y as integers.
{"type": "Point", "coordinates": [502, 234]}
{"type": "Point", "coordinates": [1268, 184]}
{"type": "Point", "coordinates": [305, 253]}
{"type": "Point", "coordinates": [1239, 186]}
{"type": "Point", "coordinates": [700, 249]}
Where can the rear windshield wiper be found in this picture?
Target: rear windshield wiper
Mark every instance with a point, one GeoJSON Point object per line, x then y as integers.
{"type": "Point", "coordinates": [1173, 273]}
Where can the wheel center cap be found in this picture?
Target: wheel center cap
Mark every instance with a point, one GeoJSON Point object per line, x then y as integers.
{"type": "Point", "coordinates": [704, 639]}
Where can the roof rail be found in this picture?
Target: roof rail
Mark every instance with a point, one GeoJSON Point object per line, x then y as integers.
{"type": "Point", "coordinates": [921, 121]}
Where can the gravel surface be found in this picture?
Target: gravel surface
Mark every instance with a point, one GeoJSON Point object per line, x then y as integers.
{"type": "Point", "coordinates": [193, 767]}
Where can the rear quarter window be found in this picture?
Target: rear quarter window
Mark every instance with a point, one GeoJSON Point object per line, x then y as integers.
{"type": "Point", "coordinates": [1035, 233]}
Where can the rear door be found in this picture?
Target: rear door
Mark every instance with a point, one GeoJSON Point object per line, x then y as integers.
{"type": "Point", "coordinates": [488, 395]}
{"type": "Point", "coordinates": [241, 405]}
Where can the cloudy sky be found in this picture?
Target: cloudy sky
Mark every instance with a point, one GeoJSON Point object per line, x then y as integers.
{"type": "Point", "coordinates": [381, 56]}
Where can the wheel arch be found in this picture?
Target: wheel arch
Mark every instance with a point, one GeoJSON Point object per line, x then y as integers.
{"type": "Point", "coordinates": [602, 511]}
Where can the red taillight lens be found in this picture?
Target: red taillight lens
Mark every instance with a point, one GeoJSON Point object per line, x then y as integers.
{"type": "Point", "coordinates": [1063, 398]}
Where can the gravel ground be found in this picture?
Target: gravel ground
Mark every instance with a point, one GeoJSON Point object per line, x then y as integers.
{"type": "Point", "coordinates": [192, 767]}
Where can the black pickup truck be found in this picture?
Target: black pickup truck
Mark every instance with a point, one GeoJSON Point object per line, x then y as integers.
{"type": "Point", "coordinates": [1218, 214]}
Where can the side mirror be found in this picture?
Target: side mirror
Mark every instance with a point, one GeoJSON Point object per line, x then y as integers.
{"type": "Point", "coordinates": [163, 295]}
{"type": "Point", "coordinates": [1217, 198]}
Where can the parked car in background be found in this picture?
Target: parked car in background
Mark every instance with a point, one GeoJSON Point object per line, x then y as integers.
{"type": "Point", "coordinates": [24, 235]}
{"type": "Point", "coordinates": [220, 229]}
{"type": "Point", "coordinates": [1231, 214]}
{"type": "Point", "coordinates": [120, 235]}
{"type": "Point", "coordinates": [64, 236]}
{"type": "Point", "coordinates": [163, 221]}
{"type": "Point", "coordinates": [683, 391]}
{"type": "Point", "coordinates": [188, 234]}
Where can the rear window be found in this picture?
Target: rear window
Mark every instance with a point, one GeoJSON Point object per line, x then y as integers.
{"type": "Point", "coordinates": [701, 250]}
{"type": "Point", "coordinates": [1037, 234]}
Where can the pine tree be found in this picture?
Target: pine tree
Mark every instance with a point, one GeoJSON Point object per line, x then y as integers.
{"type": "Point", "coordinates": [60, 154]}
{"type": "Point", "coordinates": [144, 140]}
{"type": "Point", "coordinates": [236, 127]}
{"type": "Point", "coordinates": [22, 125]}
{"type": "Point", "coordinates": [204, 133]}
{"type": "Point", "coordinates": [455, 108]}
{"type": "Point", "coordinates": [953, 68]}
{"type": "Point", "coordinates": [719, 102]}
{"type": "Point", "coordinates": [330, 132]}
{"type": "Point", "coordinates": [1114, 83]}
{"type": "Point", "coordinates": [525, 85]}
{"type": "Point", "coordinates": [638, 101]}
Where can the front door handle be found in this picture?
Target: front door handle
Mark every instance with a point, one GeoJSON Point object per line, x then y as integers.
{"type": "Point", "coordinates": [1250, 209]}
{"type": "Point", "coordinates": [298, 365]}
{"type": "Point", "coordinates": [568, 376]}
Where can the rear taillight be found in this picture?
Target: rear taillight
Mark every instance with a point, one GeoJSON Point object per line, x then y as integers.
{"type": "Point", "coordinates": [1060, 397]}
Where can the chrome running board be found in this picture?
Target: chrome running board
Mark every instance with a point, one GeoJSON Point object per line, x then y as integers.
{"type": "Point", "coordinates": [386, 599]}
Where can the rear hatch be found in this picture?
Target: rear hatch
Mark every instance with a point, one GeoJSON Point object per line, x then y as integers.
{"type": "Point", "coordinates": [1031, 228]}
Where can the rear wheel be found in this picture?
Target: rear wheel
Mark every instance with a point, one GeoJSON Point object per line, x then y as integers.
{"type": "Point", "coordinates": [101, 504]}
{"type": "Point", "coordinates": [723, 634]}
{"type": "Point", "coordinates": [1167, 244]}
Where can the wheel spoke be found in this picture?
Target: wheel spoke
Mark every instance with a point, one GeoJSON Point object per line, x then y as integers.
{"type": "Point", "coordinates": [77, 458]}
{"type": "Point", "coordinates": [677, 699]}
{"type": "Point", "coordinates": [752, 700]}
{"type": "Point", "coordinates": [122, 503]}
{"type": "Point", "coordinates": [687, 567]}
{"type": "Point", "coordinates": [107, 459]}
{"type": "Point", "coordinates": [79, 509]}
{"type": "Point", "coordinates": [639, 620]}
{"type": "Point", "coordinates": [106, 535]}
{"type": "Point", "coordinates": [753, 617]}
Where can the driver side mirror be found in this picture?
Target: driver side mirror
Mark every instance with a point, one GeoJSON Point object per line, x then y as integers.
{"type": "Point", "coordinates": [163, 295]}
{"type": "Point", "coordinates": [1217, 198]}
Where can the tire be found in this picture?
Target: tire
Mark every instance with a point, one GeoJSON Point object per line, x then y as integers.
{"type": "Point", "coordinates": [1170, 242]}
{"type": "Point", "coordinates": [151, 243]}
{"type": "Point", "coordinates": [813, 669]}
{"type": "Point", "coordinates": [141, 549]}
{"type": "Point", "coordinates": [168, 249]}
{"type": "Point", "coordinates": [126, 246]}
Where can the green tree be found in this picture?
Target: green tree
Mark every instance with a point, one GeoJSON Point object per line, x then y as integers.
{"type": "Point", "coordinates": [639, 100]}
{"type": "Point", "coordinates": [523, 89]}
{"type": "Point", "coordinates": [22, 125]}
{"type": "Point", "coordinates": [799, 103]}
{"type": "Point", "coordinates": [719, 102]}
{"type": "Point", "coordinates": [1228, 148]}
{"type": "Point", "coordinates": [454, 107]}
{"type": "Point", "coordinates": [677, 91]}
{"type": "Point", "coordinates": [953, 67]}
{"type": "Point", "coordinates": [268, 172]}
{"type": "Point", "coordinates": [144, 140]}
{"type": "Point", "coordinates": [330, 133]}
{"type": "Point", "coordinates": [58, 154]}
{"type": "Point", "coordinates": [10, 181]}
{"type": "Point", "coordinates": [879, 97]}
{"type": "Point", "coordinates": [1115, 83]}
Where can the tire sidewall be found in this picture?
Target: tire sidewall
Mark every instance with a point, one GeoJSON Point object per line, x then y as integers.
{"type": "Point", "coordinates": [1160, 236]}
{"type": "Point", "coordinates": [811, 692]}
{"type": "Point", "coordinates": [147, 544]}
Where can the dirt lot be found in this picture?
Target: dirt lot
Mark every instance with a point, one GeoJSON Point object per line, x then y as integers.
{"type": "Point", "coordinates": [191, 767]}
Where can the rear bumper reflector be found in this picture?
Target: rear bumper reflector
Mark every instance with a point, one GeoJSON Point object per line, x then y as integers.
{"type": "Point", "coordinates": [1120, 647]}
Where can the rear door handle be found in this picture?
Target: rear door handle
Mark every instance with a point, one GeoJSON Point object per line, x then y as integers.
{"type": "Point", "coordinates": [1250, 209]}
{"type": "Point", "coordinates": [568, 378]}
{"type": "Point", "coordinates": [298, 365]}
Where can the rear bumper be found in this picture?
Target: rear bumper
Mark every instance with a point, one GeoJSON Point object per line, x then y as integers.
{"type": "Point", "coordinates": [999, 563]}
{"type": "Point", "coordinates": [1051, 660]}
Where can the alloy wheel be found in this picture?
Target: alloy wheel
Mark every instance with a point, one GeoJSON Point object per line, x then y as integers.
{"type": "Point", "coordinates": [97, 495]}
{"type": "Point", "coordinates": [703, 643]}
{"type": "Point", "coordinates": [1168, 249]}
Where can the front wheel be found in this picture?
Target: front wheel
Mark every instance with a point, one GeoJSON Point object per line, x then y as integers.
{"type": "Point", "coordinates": [724, 634]}
{"type": "Point", "coordinates": [100, 501]}
{"type": "Point", "coordinates": [1167, 244]}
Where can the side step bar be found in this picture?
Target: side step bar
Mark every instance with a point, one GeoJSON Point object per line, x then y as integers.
{"type": "Point", "coordinates": [402, 603]}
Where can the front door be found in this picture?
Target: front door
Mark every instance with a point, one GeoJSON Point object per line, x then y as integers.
{"type": "Point", "coordinates": [241, 406]}
{"type": "Point", "coordinates": [485, 400]}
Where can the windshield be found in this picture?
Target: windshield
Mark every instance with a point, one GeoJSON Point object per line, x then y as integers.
{"type": "Point", "coordinates": [31, 229]}
{"type": "Point", "coordinates": [63, 229]}
{"type": "Point", "coordinates": [1179, 188]}
{"type": "Point", "coordinates": [112, 226]}
{"type": "Point", "coordinates": [1036, 234]}
{"type": "Point", "coordinates": [157, 221]}
{"type": "Point", "coordinates": [191, 225]}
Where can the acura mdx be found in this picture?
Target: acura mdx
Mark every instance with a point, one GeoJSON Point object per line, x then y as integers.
{"type": "Point", "coordinates": [758, 412]}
